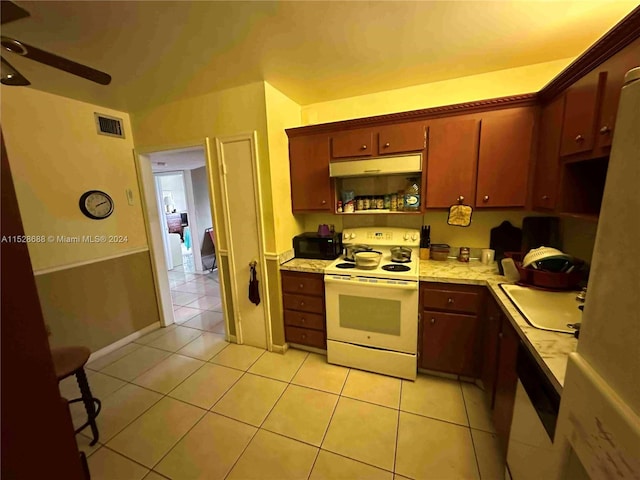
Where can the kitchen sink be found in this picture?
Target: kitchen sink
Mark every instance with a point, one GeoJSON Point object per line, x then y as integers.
{"type": "Point", "coordinates": [544, 309]}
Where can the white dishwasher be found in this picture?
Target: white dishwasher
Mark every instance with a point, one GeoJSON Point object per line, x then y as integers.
{"type": "Point", "coordinates": [530, 455]}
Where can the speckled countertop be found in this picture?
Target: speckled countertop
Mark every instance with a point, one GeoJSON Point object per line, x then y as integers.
{"type": "Point", "coordinates": [550, 349]}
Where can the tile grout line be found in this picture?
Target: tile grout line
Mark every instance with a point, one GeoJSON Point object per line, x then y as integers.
{"type": "Point", "coordinates": [473, 443]}
{"type": "Point", "coordinates": [395, 452]}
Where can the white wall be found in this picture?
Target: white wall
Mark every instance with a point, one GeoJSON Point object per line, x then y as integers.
{"type": "Point", "coordinates": [174, 183]}
{"type": "Point", "coordinates": [202, 202]}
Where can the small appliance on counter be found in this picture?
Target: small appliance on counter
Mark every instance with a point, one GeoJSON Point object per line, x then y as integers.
{"type": "Point", "coordinates": [321, 245]}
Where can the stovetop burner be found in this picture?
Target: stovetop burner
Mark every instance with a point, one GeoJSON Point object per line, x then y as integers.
{"type": "Point", "coordinates": [394, 268]}
{"type": "Point", "coordinates": [346, 265]}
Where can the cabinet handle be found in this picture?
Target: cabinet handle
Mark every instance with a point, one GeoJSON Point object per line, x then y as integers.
{"type": "Point", "coordinates": [387, 145]}
{"type": "Point", "coordinates": [302, 320]}
{"type": "Point", "coordinates": [545, 197]}
{"type": "Point", "coordinates": [302, 304]}
{"type": "Point", "coordinates": [460, 199]}
{"type": "Point", "coordinates": [485, 198]}
{"type": "Point", "coordinates": [433, 320]}
{"type": "Point", "coordinates": [301, 285]}
{"type": "Point", "coordinates": [323, 202]}
{"type": "Point", "coordinates": [363, 147]}
{"type": "Point", "coordinates": [500, 335]}
{"type": "Point", "coordinates": [605, 130]}
{"type": "Point", "coordinates": [304, 336]}
{"type": "Point", "coordinates": [450, 300]}
{"type": "Point", "coordinates": [579, 138]}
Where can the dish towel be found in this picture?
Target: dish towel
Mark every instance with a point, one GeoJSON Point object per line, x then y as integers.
{"type": "Point", "coordinates": [254, 290]}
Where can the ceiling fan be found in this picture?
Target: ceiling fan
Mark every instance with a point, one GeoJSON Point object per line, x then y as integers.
{"type": "Point", "coordinates": [10, 76]}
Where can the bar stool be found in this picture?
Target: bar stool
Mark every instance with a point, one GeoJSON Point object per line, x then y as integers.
{"type": "Point", "coordinates": [69, 361]}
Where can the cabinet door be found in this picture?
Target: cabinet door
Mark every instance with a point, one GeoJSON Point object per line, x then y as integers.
{"type": "Point", "coordinates": [505, 155]}
{"type": "Point", "coordinates": [580, 115]}
{"type": "Point", "coordinates": [310, 182]}
{"type": "Point", "coordinates": [352, 143]}
{"type": "Point", "coordinates": [506, 382]}
{"type": "Point", "coordinates": [407, 137]}
{"type": "Point", "coordinates": [491, 322]}
{"type": "Point", "coordinates": [616, 68]}
{"type": "Point", "coordinates": [547, 164]}
{"type": "Point", "coordinates": [450, 343]}
{"type": "Point", "coordinates": [452, 161]}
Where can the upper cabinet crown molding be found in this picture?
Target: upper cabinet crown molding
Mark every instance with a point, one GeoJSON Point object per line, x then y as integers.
{"type": "Point", "coordinates": [611, 43]}
{"type": "Point", "coordinates": [486, 105]}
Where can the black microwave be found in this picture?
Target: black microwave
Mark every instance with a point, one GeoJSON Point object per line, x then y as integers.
{"type": "Point", "coordinates": [314, 246]}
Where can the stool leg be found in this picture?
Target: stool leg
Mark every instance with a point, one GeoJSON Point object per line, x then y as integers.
{"type": "Point", "coordinates": [89, 404]}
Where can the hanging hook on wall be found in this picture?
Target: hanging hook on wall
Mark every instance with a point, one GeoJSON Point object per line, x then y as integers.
{"type": "Point", "coordinates": [253, 264]}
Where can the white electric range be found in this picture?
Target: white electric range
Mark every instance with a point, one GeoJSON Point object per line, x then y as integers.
{"type": "Point", "coordinates": [372, 315]}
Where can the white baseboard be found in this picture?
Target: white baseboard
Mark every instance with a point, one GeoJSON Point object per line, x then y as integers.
{"type": "Point", "coordinates": [123, 341]}
{"type": "Point", "coordinates": [280, 348]}
{"type": "Point", "coordinates": [232, 339]}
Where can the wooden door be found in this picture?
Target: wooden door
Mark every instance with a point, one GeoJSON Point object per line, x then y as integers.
{"type": "Point", "coordinates": [580, 115]}
{"type": "Point", "coordinates": [37, 433]}
{"type": "Point", "coordinates": [504, 159]}
{"type": "Point", "coordinates": [450, 343]}
{"type": "Point", "coordinates": [547, 164]}
{"type": "Point", "coordinates": [506, 382]}
{"type": "Point", "coordinates": [452, 162]}
{"type": "Point", "coordinates": [310, 182]}
{"type": "Point", "coordinates": [401, 138]}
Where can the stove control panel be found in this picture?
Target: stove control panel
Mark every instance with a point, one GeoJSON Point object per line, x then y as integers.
{"type": "Point", "coordinates": [383, 236]}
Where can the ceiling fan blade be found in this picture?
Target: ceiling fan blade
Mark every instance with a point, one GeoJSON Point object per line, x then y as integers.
{"type": "Point", "coordinates": [10, 12]}
{"type": "Point", "coordinates": [10, 76]}
{"type": "Point", "coordinates": [55, 61]}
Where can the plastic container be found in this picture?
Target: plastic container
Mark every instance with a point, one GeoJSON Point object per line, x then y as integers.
{"type": "Point", "coordinates": [439, 251]}
{"type": "Point", "coordinates": [549, 280]}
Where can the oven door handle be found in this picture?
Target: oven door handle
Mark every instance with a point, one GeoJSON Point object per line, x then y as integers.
{"type": "Point", "coordinates": [379, 284]}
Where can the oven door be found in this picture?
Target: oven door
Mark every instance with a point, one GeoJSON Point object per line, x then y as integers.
{"type": "Point", "coordinates": [372, 312]}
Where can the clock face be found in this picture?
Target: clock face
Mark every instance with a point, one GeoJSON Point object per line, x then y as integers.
{"type": "Point", "coordinates": [96, 204]}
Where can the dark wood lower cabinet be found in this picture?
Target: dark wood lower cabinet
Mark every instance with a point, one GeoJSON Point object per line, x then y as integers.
{"type": "Point", "coordinates": [506, 381]}
{"type": "Point", "coordinates": [491, 330]}
{"type": "Point", "coordinates": [304, 312]}
{"type": "Point", "coordinates": [450, 343]}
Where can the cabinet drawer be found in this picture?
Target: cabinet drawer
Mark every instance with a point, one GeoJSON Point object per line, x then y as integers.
{"type": "Point", "coordinates": [450, 300]}
{"type": "Point", "coordinates": [352, 144]}
{"type": "Point", "coordinates": [300, 283]}
{"type": "Point", "coordinates": [303, 336]}
{"type": "Point", "coordinates": [303, 303]}
{"type": "Point", "coordinates": [304, 320]}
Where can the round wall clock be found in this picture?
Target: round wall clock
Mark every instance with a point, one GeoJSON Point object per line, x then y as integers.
{"type": "Point", "coordinates": [96, 204]}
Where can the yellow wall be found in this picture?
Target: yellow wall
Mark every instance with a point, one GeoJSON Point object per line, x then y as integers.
{"type": "Point", "coordinates": [56, 155]}
{"type": "Point", "coordinates": [217, 114]}
{"type": "Point", "coordinates": [282, 112]}
{"type": "Point", "coordinates": [475, 236]}
{"type": "Point", "coordinates": [527, 79]}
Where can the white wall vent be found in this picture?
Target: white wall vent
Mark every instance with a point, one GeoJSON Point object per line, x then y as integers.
{"type": "Point", "coordinates": [107, 125]}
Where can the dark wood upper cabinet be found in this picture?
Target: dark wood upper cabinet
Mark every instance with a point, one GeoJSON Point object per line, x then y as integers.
{"type": "Point", "coordinates": [352, 143]}
{"type": "Point", "coordinates": [309, 167]}
{"type": "Point", "coordinates": [452, 161]}
{"type": "Point", "coordinates": [402, 138]}
{"type": "Point", "coordinates": [580, 115]}
{"type": "Point", "coordinates": [547, 164]}
{"type": "Point", "coordinates": [505, 155]}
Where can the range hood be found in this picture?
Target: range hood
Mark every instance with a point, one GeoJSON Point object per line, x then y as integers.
{"type": "Point", "coordinates": [358, 167]}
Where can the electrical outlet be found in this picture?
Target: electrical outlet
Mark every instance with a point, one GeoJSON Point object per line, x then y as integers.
{"type": "Point", "coordinates": [129, 194]}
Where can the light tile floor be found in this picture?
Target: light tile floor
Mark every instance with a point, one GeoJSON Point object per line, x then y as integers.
{"type": "Point", "coordinates": [181, 403]}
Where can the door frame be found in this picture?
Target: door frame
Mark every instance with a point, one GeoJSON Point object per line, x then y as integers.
{"type": "Point", "coordinates": [148, 200]}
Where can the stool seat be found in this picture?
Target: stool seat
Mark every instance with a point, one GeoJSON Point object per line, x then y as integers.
{"type": "Point", "coordinates": [66, 360]}
{"type": "Point", "coordinates": [69, 361]}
